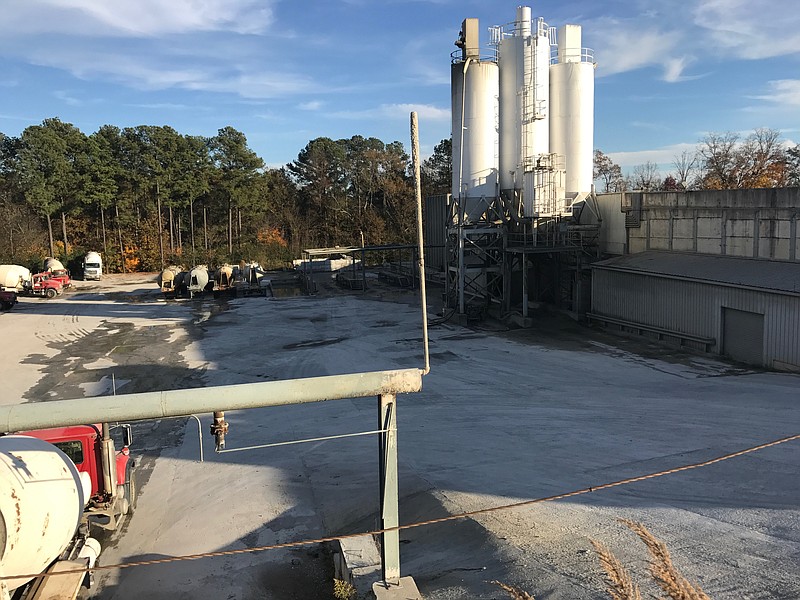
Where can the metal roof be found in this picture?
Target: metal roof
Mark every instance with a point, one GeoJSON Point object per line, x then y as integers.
{"type": "Point", "coordinates": [771, 275]}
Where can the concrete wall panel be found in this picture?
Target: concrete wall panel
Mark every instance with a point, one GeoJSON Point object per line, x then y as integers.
{"type": "Point", "coordinates": [734, 212]}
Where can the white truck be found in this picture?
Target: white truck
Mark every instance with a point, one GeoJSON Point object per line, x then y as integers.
{"type": "Point", "coordinates": [92, 266]}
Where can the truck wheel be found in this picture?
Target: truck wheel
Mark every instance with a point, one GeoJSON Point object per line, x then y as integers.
{"type": "Point", "coordinates": [51, 293]}
{"type": "Point", "coordinates": [130, 492]}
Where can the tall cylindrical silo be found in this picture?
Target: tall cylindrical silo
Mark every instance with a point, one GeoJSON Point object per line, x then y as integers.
{"type": "Point", "coordinates": [510, 59]}
{"type": "Point", "coordinates": [474, 110]}
{"type": "Point", "coordinates": [524, 60]}
{"type": "Point", "coordinates": [572, 109]}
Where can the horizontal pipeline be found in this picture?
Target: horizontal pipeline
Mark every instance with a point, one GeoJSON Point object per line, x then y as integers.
{"type": "Point", "coordinates": [178, 403]}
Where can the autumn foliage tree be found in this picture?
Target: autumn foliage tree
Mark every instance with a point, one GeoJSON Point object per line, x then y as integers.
{"type": "Point", "coordinates": [730, 162]}
{"type": "Point", "coordinates": [608, 172]}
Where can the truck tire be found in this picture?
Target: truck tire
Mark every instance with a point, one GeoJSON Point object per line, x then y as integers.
{"type": "Point", "coordinates": [51, 293]}
{"type": "Point", "coordinates": [130, 491]}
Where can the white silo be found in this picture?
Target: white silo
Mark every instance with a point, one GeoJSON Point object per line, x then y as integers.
{"type": "Point", "coordinates": [524, 62]}
{"type": "Point", "coordinates": [474, 113]}
{"type": "Point", "coordinates": [572, 110]}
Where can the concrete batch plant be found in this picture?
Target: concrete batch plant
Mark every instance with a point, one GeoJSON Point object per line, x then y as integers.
{"type": "Point", "coordinates": [716, 271]}
{"type": "Point", "coordinates": [522, 142]}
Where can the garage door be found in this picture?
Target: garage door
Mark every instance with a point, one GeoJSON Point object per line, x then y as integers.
{"type": "Point", "coordinates": [743, 336]}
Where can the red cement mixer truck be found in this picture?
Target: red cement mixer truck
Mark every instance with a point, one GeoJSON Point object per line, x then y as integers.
{"type": "Point", "coordinates": [56, 487]}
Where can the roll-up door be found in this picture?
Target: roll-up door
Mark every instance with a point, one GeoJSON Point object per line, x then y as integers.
{"type": "Point", "coordinates": [743, 336]}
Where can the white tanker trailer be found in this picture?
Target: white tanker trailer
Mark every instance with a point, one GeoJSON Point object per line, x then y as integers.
{"type": "Point", "coordinates": [197, 280]}
{"type": "Point", "coordinates": [42, 500]}
{"type": "Point", "coordinates": [14, 277]}
{"type": "Point", "coordinates": [168, 280]}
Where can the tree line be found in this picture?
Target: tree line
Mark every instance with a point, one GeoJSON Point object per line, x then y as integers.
{"type": "Point", "coordinates": [149, 196]}
{"type": "Point", "coordinates": [720, 161]}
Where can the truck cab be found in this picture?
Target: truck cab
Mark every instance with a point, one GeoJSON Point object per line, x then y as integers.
{"type": "Point", "coordinates": [42, 284]}
{"type": "Point", "coordinates": [90, 447]}
{"type": "Point", "coordinates": [92, 266]}
{"type": "Point", "coordinates": [62, 276]}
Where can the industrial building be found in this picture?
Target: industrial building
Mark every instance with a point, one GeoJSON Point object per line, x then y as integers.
{"type": "Point", "coordinates": [715, 271]}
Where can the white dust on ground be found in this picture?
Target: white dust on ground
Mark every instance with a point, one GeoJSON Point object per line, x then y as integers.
{"type": "Point", "coordinates": [498, 421]}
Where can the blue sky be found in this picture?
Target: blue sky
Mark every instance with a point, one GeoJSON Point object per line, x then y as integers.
{"type": "Point", "coordinates": [287, 71]}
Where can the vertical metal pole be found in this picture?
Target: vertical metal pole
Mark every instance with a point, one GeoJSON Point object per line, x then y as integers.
{"type": "Point", "coordinates": [419, 250]}
{"type": "Point", "coordinates": [387, 453]}
{"type": "Point", "coordinates": [461, 274]}
{"type": "Point", "coordinates": [524, 285]}
{"type": "Point", "coordinates": [363, 267]}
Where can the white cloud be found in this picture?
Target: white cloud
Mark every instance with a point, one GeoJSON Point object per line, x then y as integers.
{"type": "Point", "coordinates": [674, 69]}
{"type": "Point", "coordinates": [312, 105]}
{"type": "Point", "coordinates": [67, 99]}
{"type": "Point", "coordinates": [649, 125]}
{"type": "Point", "coordinates": [748, 29]}
{"type": "Point", "coordinates": [785, 92]}
{"type": "Point", "coordinates": [144, 71]}
{"type": "Point", "coordinates": [134, 18]}
{"type": "Point", "coordinates": [661, 156]}
{"type": "Point", "coordinates": [631, 45]}
{"type": "Point", "coordinates": [423, 58]}
{"type": "Point", "coordinates": [17, 118]}
{"type": "Point", "coordinates": [167, 106]}
{"type": "Point", "coordinates": [398, 111]}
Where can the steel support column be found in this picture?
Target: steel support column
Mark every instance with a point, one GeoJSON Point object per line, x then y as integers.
{"type": "Point", "coordinates": [387, 455]}
{"type": "Point", "coordinates": [524, 285]}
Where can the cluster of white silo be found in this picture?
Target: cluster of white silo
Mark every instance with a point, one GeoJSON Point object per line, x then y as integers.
{"type": "Point", "coordinates": [522, 118]}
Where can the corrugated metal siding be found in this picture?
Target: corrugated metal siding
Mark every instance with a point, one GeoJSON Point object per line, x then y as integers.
{"type": "Point", "coordinates": [695, 308]}
{"type": "Point", "coordinates": [435, 229]}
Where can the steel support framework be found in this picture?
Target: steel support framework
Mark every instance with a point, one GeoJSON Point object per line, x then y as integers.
{"type": "Point", "coordinates": [483, 257]}
{"type": "Point", "coordinates": [475, 259]}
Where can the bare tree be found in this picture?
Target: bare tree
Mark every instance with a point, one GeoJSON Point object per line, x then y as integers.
{"type": "Point", "coordinates": [793, 166]}
{"type": "Point", "coordinates": [718, 154]}
{"type": "Point", "coordinates": [763, 160]}
{"type": "Point", "coordinates": [685, 168]}
{"type": "Point", "coordinates": [645, 177]}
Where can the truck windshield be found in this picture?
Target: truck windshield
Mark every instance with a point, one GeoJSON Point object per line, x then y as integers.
{"type": "Point", "coordinates": [93, 265]}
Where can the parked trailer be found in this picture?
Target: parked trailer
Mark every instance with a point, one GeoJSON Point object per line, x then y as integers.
{"type": "Point", "coordinates": [223, 277]}
{"type": "Point", "coordinates": [198, 281]}
{"type": "Point", "coordinates": [168, 279]}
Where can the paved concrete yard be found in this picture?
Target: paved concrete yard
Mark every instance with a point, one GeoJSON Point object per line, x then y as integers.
{"type": "Point", "coordinates": [504, 416]}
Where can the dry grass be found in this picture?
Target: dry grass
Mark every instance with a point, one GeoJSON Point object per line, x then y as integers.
{"type": "Point", "coordinates": [513, 592]}
{"type": "Point", "coordinates": [675, 585]}
{"type": "Point", "coordinates": [619, 584]}
{"type": "Point", "coordinates": [343, 590]}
